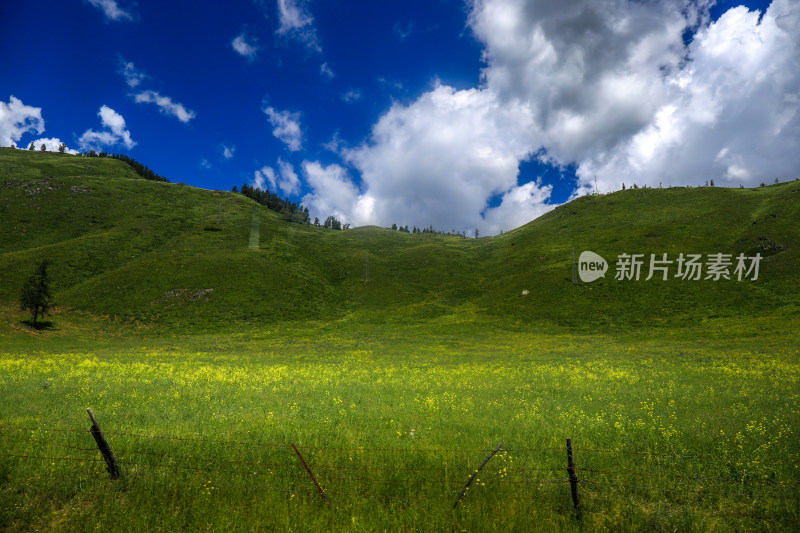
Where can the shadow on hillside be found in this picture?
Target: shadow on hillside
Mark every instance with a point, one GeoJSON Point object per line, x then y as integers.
{"type": "Point", "coordinates": [41, 325]}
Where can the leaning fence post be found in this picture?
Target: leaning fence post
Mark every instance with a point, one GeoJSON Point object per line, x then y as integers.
{"type": "Point", "coordinates": [475, 473]}
{"type": "Point", "coordinates": [310, 473]}
{"type": "Point", "coordinates": [105, 449]}
{"type": "Point", "coordinates": [573, 480]}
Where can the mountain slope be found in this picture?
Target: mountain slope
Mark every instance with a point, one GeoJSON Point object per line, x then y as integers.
{"type": "Point", "coordinates": [180, 256]}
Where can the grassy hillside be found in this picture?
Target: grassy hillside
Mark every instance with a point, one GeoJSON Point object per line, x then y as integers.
{"type": "Point", "coordinates": [680, 397]}
{"type": "Point", "coordinates": [175, 255]}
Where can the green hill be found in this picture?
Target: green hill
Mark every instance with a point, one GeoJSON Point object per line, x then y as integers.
{"type": "Point", "coordinates": [171, 254]}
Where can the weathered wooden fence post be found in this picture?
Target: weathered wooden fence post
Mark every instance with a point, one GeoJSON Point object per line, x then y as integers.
{"type": "Point", "coordinates": [573, 480]}
{"type": "Point", "coordinates": [310, 473]}
{"type": "Point", "coordinates": [105, 449]}
{"type": "Point", "coordinates": [475, 473]}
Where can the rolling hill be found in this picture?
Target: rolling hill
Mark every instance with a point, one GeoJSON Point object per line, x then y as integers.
{"type": "Point", "coordinates": [173, 255]}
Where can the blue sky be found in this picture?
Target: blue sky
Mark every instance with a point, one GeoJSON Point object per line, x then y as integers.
{"type": "Point", "coordinates": [459, 114]}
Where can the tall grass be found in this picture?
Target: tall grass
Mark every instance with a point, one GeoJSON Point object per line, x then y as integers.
{"type": "Point", "coordinates": [668, 434]}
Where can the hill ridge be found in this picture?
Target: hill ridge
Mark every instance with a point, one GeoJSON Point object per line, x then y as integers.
{"type": "Point", "coordinates": [119, 245]}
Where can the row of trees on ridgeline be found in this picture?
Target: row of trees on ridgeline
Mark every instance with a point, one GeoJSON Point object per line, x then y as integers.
{"type": "Point", "coordinates": [430, 229]}
{"type": "Point", "coordinates": [289, 210]}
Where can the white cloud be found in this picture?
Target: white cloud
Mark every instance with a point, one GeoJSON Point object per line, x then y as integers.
{"type": "Point", "coordinates": [112, 120]}
{"type": "Point", "coordinates": [261, 176]}
{"type": "Point", "coordinates": [286, 180]}
{"type": "Point", "coordinates": [438, 160]}
{"type": "Point", "coordinates": [518, 206]}
{"type": "Point", "coordinates": [166, 105]}
{"type": "Point", "coordinates": [336, 144]}
{"type": "Point", "coordinates": [115, 132]}
{"type": "Point", "coordinates": [610, 87]}
{"type": "Point", "coordinates": [591, 71]}
{"type": "Point", "coordinates": [133, 76]}
{"type": "Point", "coordinates": [326, 71]}
{"type": "Point", "coordinates": [292, 16]}
{"type": "Point", "coordinates": [227, 151]}
{"type": "Point", "coordinates": [607, 85]}
{"type": "Point", "coordinates": [333, 193]}
{"type": "Point", "coordinates": [353, 95]}
{"type": "Point", "coordinates": [286, 127]}
{"type": "Point", "coordinates": [52, 144]}
{"type": "Point", "coordinates": [730, 115]}
{"type": "Point", "coordinates": [112, 10]}
{"type": "Point", "coordinates": [297, 23]}
{"type": "Point", "coordinates": [289, 182]}
{"type": "Point", "coordinates": [16, 119]}
{"type": "Point", "coordinates": [244, 48]}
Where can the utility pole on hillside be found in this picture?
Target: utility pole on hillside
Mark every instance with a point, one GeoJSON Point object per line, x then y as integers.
{"type": "Point", "coordinates": [574, 268]}
{"type": "Point", "coordinates": [366, 266]}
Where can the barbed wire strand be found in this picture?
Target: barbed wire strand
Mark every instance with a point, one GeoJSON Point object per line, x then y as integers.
{"type": "Point", "coordinates": [679, 476]}
{"type": "Point", "coordinates": [417, 450]}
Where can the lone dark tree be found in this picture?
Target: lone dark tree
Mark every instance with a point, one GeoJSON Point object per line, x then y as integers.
{"type": "Point", "coordinates": [43, 148]}
{"type": "Point", "coordinates": [35, 296]}
{"type": "Point", "coordinates": [32, 146]}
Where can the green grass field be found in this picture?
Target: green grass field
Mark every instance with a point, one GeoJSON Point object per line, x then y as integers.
{"type": "Point", "coordinates": [204, 357]}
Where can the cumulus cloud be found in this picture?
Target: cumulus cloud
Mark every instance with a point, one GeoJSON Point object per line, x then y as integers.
{"type": "Point", "coordinates": [114, 133]}
{"type": "Point", "coordinates": [613, 87]}
{"type": "Point", "coordinates": [165, 105]}
{"type": "Point", "coordinates": [244, 48]}
{"type": "Point", "coordinates": [286, 127]}
{"type": "Point", "coordinates": [16, 119]}
{"type": "Point", "coordinates": [296, 23]}
{"type": "Point", "coordinates": [334, 193]}
{"type": "Point", "coordinates": [731, 114]}
{"type": "Point", "coordinates": [440, 159]}
{"type": "Point", "coordinates": [286, 180]}
{"type": "Point", "coordinates": [591, 71]}
{"type": "Point", "coordinates": [52, 144]}
{"type": "Point", "coordinates": [519, 205]}
{"type": "Point", "coordinates": [261, 176]}
{"type": "Point", "coordinates": [289, 182]}
{"type": "Point", "coordinates": [627, 91]}
{"type": "Point", "coordinates": [112, 10]}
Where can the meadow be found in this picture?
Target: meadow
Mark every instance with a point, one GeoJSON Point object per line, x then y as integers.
{"type": "Point", "coordinates": [208, 335]}
{"type": "Point", "coordinates": [669, 433]}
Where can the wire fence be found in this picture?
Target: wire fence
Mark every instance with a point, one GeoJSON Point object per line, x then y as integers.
{"type": "Point", "coordinates": [752, 488]}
